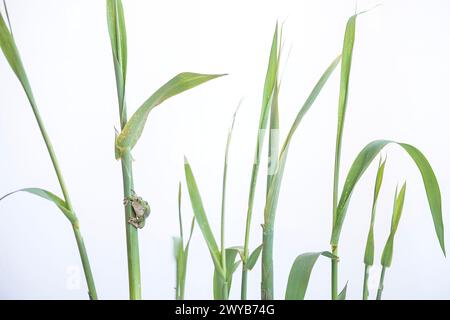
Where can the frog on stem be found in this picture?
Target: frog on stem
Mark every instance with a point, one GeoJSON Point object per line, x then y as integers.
{"type": "Point", "coordinates": [140, 208]}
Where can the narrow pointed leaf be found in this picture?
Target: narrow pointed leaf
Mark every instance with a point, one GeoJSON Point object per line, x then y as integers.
{"type": "Point", "coordinates": [386, 258]}
{"type": "Point", "coordinates": [370, 243]}
{"type": "Point", "coordinates": [132, 131]}
{"type": "Point", "coordinates": [301, 272]}
{"type": "Point", "coordinates": [118, 37]}
{"type": "Point", "coordinates": [251, 262]}
{"type": "Point", "coordinates": [11, 53]}
{"type": "Point", "coordinates": [343, 294]}
{"type": "Point", "coordinates": [269, 83]}
{"type": "Point", "coordinates": [272, 199]}
{"type": "Point", "coordinates": [359, 166]}
{"type": "Point", "coordinates": [50, 197]}
{"type": "Point", "coordinates": [200, 216]}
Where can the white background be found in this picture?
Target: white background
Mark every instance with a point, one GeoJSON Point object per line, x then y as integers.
{"type": "Point", "coordinates": [399, 90]}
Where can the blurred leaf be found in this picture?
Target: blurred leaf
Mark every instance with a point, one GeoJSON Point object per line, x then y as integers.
{"type": "Point", "coordinates": [301, 272]}
{"type": "Point", "coordinates": [359, 166]}
{"type": "Point", "coordinates": [132, 131]}
{"type": "Point", "coordinates": [50, 197]}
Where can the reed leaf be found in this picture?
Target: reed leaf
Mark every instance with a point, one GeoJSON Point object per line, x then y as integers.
{"type": "Point", "coordinates": [359, 166]}
{"type": "Point", "coordinates": [370, 246]}
{"type": "Point", "coordinates": [275, 186]}
{"type": "Point", "coordinates": [118, 37]}
{"type": "Point", "coordinates": [201, 218]}
{"type": "Point", "coordinates": [370, 243]}
{"type": "Point", "coordinates": [253, 258]}
{"type": "Point", "coordinates": [218, 280]}
{"type": "Point", "coordinates": [343, 294]}
{"type": "Point", "coordinates": [181, 252]}
{"type": "Point", "coordinates": [132, 131]}
{"type": "Point", "coordinates": [388, 251]}
{"type": "Point", "coordinates": [386, 258]}
{"type": "Point", "coordinates": [269, 84]}
{"type": "Point", "coordinates": [301, 272]}
{"type": "Point", "coordinates": [347, 55]}
{"type": "Point", "coordinates": [60, 203]}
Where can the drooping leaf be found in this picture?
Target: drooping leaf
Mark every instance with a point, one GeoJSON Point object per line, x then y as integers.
{"type": "Point", "coordinates": [370, 243]}
{"type": "Point", "coordinates": [50, 197]}
{"type": "Point", "coordinates": [359, 166]}
{"type": "Point", "coordinates": [301, 272]}
{"type": "Point", "coordinates": [132, 131]}
{"type": "Point", "coordinates": [399, 199]}
{"type": "Point", "coordinates": [200, 216]}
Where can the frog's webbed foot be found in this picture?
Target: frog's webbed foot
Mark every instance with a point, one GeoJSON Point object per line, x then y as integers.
{"type": "Point", "coordinates": [133, 222]}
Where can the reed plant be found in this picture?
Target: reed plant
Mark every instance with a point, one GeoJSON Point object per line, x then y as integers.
{"type": "Point", "coordinates": [227, 259]}
{"type": "Point", "coordinates": [131, 129]}
{"type": "Point", "coordinates": [12, 55]}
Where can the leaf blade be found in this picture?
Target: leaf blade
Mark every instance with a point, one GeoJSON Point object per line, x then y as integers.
{"type": "Point", "coordinates": [301, 272]}
{"type": "Point", "coordinates": [133, 129]}
{"type": "Point", "coordinates": [47, 195]}
{"type": "Point", "coordinates": [359, 166]}
{"type": "Point", "coordinates": [200, 215]}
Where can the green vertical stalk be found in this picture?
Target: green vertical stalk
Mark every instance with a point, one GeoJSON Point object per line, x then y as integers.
{"type": "Point", "coordinates": [85, 262]}
{"type": "Point", "coordinates": [334, 274]}
{"type": "Point", "coordinates": [134, 272]}
{"type": "Point", "coordinates": [381, 284]}
{"type": "Point", "coordinates": [118, 37]}
{"type": "Point", "coordinates": [267, 265]}
{"type": "Point", "coordinates": [269, 219]}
